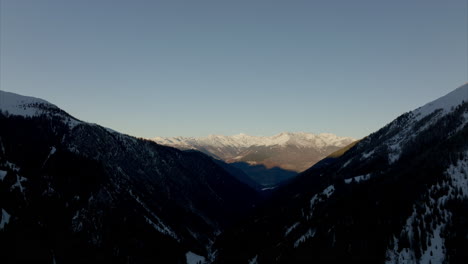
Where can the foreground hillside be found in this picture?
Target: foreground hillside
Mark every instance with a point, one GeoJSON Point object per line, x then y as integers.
{"type": "Point", "coordinates": [398, 196]}
{"type": "Point", "coordinates": [74, 192]}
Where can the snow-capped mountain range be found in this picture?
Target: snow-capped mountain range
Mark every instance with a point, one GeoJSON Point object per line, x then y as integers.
{"type": "Point", "coordinates": [289, 151]}
{"type": "Point", "coordinates": [298, 139]}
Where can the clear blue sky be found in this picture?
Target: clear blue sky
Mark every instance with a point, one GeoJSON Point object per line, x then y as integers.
{"type": "Point", "coordinates": [193, 68]}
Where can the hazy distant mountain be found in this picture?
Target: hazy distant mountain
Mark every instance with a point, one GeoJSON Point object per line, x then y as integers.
{"type": "Point", "coordinates": [74, 192]}
{"type": "Point", "coordinates": [399, 195]}
{"type": "Point", "coordinates": [290, 152]}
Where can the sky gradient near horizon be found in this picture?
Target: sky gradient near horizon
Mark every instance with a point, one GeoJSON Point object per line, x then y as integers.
{"type": "Point", "coordinates": [193, 68]}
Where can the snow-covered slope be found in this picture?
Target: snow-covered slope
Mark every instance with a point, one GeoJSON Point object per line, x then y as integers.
{"type": "Point", "coordinates": [445, 103]}
{"type": "Point", "coordinates": [26, 106]}
{"type": "Point", "coordinates": [408, 126]}
{"type": "Point", "coordinates": [16, 104]}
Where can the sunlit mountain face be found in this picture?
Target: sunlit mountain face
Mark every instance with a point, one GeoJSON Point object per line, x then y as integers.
{"type": "Point", "coordinates": [270, 161]}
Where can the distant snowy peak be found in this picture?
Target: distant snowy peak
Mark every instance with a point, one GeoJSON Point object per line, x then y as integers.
{"type": "Point", "coordinates": [19, 105]}
{"type": "Point", "coordinates": [445, 103]}
{"type": "Point", "coordinates": [16, 104]}
{"type": "Point", "coordinates": [300, 139]}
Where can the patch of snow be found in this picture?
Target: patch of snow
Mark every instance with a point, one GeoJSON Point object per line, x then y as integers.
{"type": "Point", "coordinates": [463, 123]}
{"type": "Point", "coordinates": [72, 123]}
{"type": "Point", "coordinates": [212, 255]}
{"type": "Point", "coordinates": [310, 233]}
{"type": "Point", "coordinates": [253, 260]}
{"type": "Point", "coordinates": [434, 253]}
{"type": "Point", "coordinates": [406, 255]}
{"type": "Point", "coordinates": [435, 250]}
{"type": "Point", "coordinates": [358, 179]}
{"type": "Point", "coordinates": [193, 234]}
{"type": "Point", "coordinates": [367, 154]}
{"type": "Point", "coordinates": [319, 197]}
{"type": "Point", "coordinates": [268, 188]}
{"type": "Point", "coordinates": [5, 219]}
{"type": "Point", "coordinates": [459, 175]}
{"type": "Point", "coordinates": [291, 228]}
{"type": "Point", "coordinates": [52, 152]}
{"type": "Point", "coordinates": [393, 157]}
{"type": "Point", "coordinates": [2, 175]}
{"type": "Point", "coordinates": [327, 192]}
{"type": "Point", "coordinates": [73, 148]}
{"type": "Point", "coordinates": [12, 166]}
{"type": "Point", "coordinates": [77, 214]}
{"type": "Point", "coordinates": [160, 226]}
{"type": "Point", "coordinates": [346, 163]}
{"type": "Point", "coordinates": [454, 186]}
{"type": "Point", "coordinates": [193, 258]}
{"type": "Point", "coordinates": [77, 220]}
{"type": "Point", "coordinates": [394, 150]}
{"type": "Point", "coordinates": [19, 180]}
{"type": "Point", "coordinates": [110, 130]}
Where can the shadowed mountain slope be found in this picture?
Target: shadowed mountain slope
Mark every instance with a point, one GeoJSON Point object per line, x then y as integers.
{"type": "Point", "coordinates": [399, 195]}
{"type": "Point", "coordinates": [74, 192]}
